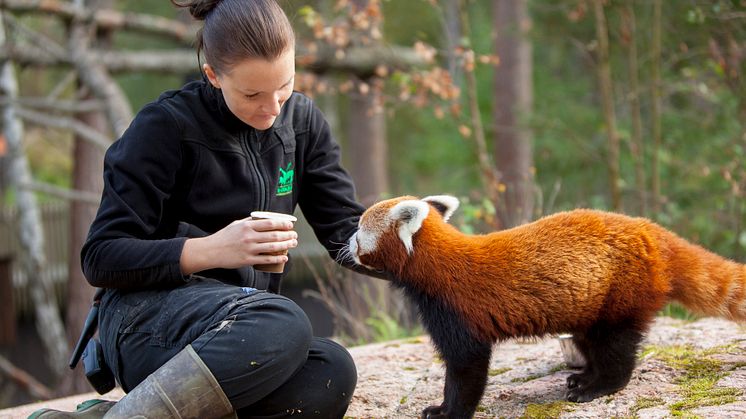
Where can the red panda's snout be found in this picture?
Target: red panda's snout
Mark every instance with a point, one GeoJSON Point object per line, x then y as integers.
{"type": "Point", "coordinates": [384, 240]}
{"type": "Point", "coordinates": [380, 252]}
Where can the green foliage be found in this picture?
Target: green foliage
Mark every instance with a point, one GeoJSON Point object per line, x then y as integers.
{"type": "Point", "coordinates": [386, 328]}
{"type": "Point", "coordinates": [677, 311]}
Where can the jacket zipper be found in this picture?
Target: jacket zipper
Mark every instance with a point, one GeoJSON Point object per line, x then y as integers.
{"type": "Point", "coordinates": [254, 161]}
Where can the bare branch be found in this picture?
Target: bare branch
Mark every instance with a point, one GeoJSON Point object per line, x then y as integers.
{"type": "Point", "coordinates": [63, 193]}
{"type": "Point", "coordinates": [359, 61]}
{"type": "Point", "coordinates": [172, 61]}
{"type": "Point", "coordinates": [96, 77]}
{"type": "Point", "coordinates": [63, 83]}
{"type": "Point", "coordinates": [158, 61]}
{"type": "Point", "coordinates": [79, 128]}
{"type": "Point", "coordinates": [25, 380]}
{"type": "Point", "coordinates": [39, 40]}
{"type": "Point", "coordinates": [106, 19]}
{"type": "Point", "coordinates": [45, 104]}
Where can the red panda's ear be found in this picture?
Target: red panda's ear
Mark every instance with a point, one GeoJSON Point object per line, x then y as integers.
{"type": "Point", "coordinates": [409, 214]}
{"type": "Point", "coordinates": [445, 204]}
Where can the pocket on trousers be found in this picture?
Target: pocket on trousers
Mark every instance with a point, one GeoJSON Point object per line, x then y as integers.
{"type": "Point", "coordinates": [190, 310]}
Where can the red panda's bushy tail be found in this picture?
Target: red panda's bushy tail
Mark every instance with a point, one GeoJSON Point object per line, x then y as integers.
{"type": "Point", "coordinates": [703, 281]}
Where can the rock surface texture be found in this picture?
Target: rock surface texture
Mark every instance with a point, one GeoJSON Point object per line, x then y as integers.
{"type": "Point", "coordinates": [690, 369]}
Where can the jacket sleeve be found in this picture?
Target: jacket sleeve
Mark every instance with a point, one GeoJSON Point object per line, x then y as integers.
{"type": "Point", "coordinates": [131, 243]}
{"type": "Point", "coordinates": [327, 196]}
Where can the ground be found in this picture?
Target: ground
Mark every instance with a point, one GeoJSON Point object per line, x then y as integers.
{"type": "Point", "coordinates": [688, 369]}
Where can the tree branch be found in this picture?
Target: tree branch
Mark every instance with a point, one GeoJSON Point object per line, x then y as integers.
{"type": "Point", "coordinates": [52, 105]}
{"type": "Point", "coordinates": [39, 40]}
{"type": "Point", "coordinates": [106, 19]}
{"type": "Point", "coordinates": [84, 131]}
{"type": "Point", "coordinates": [63, 193]}
{"type": "Point", "coordinates": [25, 380]}
{"type": "Point", "coordinates": [94, 75]}
{"type": "Point", "coordinates": [362, 62]}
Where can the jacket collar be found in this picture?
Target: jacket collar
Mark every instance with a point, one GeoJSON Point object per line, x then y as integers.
{"type": "Point", "coordinates": [216, 103]}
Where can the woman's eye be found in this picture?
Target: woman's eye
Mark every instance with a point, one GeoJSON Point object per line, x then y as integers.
{"type": "Point", "coordinates": [252, 96]}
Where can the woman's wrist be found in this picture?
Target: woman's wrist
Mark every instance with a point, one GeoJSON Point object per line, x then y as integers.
{"type": "Point", "coordinates": [195, 256]}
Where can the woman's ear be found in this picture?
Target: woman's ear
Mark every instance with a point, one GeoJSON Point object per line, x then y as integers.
{"type": "Point", "coordinates": [211, 76]}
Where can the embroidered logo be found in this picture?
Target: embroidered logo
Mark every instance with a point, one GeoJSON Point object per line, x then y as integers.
{"type": "Point", "coordinates": [285, 185]}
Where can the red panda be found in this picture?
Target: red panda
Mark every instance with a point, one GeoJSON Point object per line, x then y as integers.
{"type": "Point", "coordinates": [601, 276]}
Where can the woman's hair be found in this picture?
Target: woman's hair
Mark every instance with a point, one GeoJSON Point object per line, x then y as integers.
{"type": "Point", "coordinates": [235, 30]}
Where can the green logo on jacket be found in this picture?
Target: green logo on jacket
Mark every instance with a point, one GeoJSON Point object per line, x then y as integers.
{"type": "Point", "coordinates": [285, 185]}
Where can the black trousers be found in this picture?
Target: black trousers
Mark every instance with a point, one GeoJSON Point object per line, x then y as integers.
{"type": "Point", "coordinates": [258, 345]}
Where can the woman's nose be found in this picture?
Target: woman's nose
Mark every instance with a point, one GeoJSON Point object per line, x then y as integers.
{"type": "Point", "coordinates": [273, 105]}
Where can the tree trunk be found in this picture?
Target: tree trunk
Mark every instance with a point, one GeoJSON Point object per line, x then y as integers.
{"type": "Point", "coordinates": [367, 139]}
{"type": "Point", "coordinates": [513, 100]}
{"type": "Point", "coordinates": [87, 169]}
{"type": "Point", "coordinates": [48, 321]}
{"type": "Point", "coordinates": [7, 304]}
{"type": "Point", "coordinates": [606, 87]}
{"type": "Point", "coordinates": [453, 31]}
{"type": "Point", "coordinates": [491, 178]}
{"type": "Point", "coordinates": [367, 134]}
{"type": "Point", "coordinates": [655, 112]}
{"type": "Point", "coordinates": [95, 75]}
{"type": "Point", "coordinates": [636, 142]}
{"type": "Point", "coordinates": [88, 166]}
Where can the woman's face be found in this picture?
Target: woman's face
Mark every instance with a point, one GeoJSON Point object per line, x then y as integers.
{"type": "Point", "coordinates": [256, 89]}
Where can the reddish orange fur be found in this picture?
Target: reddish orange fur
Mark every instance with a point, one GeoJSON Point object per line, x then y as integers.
{"type": "Point", "coordinates": [561, 273]}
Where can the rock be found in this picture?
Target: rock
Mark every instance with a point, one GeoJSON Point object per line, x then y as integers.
{"type": "Point", "coordinates": [398, 379]}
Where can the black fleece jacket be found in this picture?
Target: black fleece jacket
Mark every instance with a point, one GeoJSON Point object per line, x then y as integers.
{"type": "Point", "coordinates": [187, 167]}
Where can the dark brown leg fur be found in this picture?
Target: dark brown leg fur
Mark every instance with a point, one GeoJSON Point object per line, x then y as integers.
{"type": "Point", "coordinates": [610, 351]}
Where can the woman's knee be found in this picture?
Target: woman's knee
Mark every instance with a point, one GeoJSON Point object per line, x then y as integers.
{"type": "Point", "coordinates": [339, 364]}
{"type": "Point", "coordinates": [339, 358]}
{"type": "Point", "coordinates": [323, 388]}
{"type": "Point", "coordinates": [256, 348]}
{"type": "Point", "coordinates": [287, 326]}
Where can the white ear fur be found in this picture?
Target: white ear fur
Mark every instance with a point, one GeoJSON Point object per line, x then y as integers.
{"type": "Point", "coordinates": [445, 204]}
{"type": "Point", "coordinates": [410, 213]}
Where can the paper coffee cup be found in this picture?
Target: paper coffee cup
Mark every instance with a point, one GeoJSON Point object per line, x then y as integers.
{"type": "Point", "coordinates": [268, 215]}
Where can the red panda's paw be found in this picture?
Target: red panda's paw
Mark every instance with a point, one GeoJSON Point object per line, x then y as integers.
{"type": "Point", "coordinates": [434, 412]}
{"type": "Point", "coordinates": [578, 380]}
{"type": "Point", "coordinates": [588, 392]}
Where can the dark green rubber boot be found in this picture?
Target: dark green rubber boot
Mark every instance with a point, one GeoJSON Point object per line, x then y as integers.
{"type": "Point", "coordinates": [181, 388]}
{"type": "Point", "coordinates": [89, 409]}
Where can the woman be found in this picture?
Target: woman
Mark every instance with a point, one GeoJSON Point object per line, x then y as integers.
{"type": "Point", "coordinates": [174, 248]}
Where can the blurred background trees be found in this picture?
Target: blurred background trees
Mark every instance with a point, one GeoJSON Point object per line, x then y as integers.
{"type": "Point", "coordinates": [519, 107]}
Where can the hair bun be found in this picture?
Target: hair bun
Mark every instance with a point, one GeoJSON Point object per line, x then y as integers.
{"type": "Point", "coordinates": [198, 8]}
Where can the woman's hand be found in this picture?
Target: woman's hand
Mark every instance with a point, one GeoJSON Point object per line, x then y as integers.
{"type": "Point", "coordinates": [241, 243]}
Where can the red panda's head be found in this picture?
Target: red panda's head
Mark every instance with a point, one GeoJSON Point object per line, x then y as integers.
{"type": "Point", "coordinates": [385, 236]}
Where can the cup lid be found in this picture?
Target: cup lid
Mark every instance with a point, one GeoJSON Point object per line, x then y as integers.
{"type": "Point", "coordinates": [273, 216]}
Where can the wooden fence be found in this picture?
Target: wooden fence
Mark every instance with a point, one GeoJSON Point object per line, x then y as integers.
{"type": "Point", "coordinates": [55, 219]}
